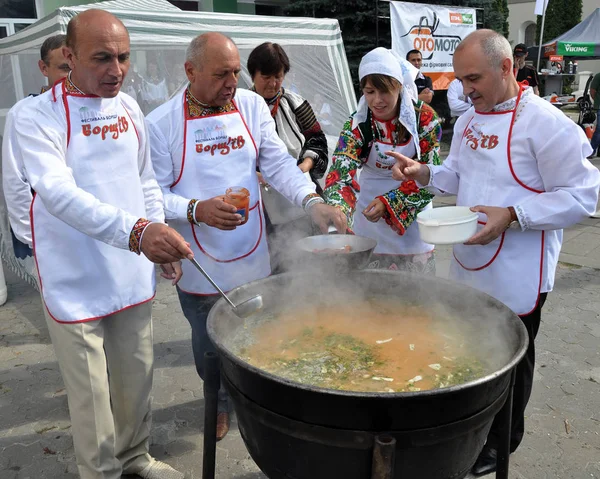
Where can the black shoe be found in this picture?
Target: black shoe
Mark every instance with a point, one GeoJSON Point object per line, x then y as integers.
{"type": "Point", "coordinates": [486, 462]}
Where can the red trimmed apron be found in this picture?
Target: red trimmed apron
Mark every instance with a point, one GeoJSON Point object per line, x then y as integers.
{"type": "Point", "coordinates": [219, 152]}
{"type": "Point", "coordinates": [510, 267]}
{"type": "Point", "coordinates": [81, 278]}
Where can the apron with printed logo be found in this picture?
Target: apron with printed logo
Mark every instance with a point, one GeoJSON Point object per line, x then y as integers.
{"type": "Point", "coordinates": [510, 267]}
{"type": "Point", "coordinates": [375, 180]}
{"type": "Point", "coordinates": [219, 152]}
{"type": "Point", "coordinates": [82, 278]}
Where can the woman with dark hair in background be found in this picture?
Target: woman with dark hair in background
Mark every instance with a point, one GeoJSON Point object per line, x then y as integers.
{"type": "Point", "coordinates": [297, 127]}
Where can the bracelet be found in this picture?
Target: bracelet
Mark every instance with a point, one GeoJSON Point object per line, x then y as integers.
{"type": "Point", "coordinates": [194, 213]}
{"type": "Point", "coordinates": [191, 211]}
{"type": "Point", "coordinates": [135, 237]}
{"type": "Point", "coordinates": [309, 197]}
{"type": "Point", "coordinates": [312, 202]}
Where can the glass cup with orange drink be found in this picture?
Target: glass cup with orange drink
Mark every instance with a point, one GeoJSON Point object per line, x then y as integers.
{"type": "Point", "coordinates": [240, 198]}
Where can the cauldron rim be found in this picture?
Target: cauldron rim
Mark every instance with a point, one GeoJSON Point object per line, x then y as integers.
{"type": "Point", "coordinates": [518, 355]}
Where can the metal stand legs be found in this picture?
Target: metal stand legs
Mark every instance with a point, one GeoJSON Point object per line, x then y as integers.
{"type": "Point", "coordinates": [505, 419]}
{"type": "Point", "coordinates": [212, 383]}
{"type": "Point", "coordinates": [384, 457]}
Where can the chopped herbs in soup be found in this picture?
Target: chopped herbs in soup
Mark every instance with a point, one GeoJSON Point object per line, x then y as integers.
{"type": "Point", "coordinates": [366, 347]}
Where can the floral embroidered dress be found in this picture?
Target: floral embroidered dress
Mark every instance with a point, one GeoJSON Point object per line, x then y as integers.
{"type": "Point", "coordinates": [363, 149]}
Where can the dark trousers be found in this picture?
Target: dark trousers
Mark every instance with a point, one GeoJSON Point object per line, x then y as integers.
{"type": "Point", "coordinates": [523, 382]}
{"type": "Point", "coordinates": [595, 141]}
{"type": "Point", "coordinates": [195, 309]}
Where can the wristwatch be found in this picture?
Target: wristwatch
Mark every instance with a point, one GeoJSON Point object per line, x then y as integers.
{"type": "Point", "coordinates": [514, 220]}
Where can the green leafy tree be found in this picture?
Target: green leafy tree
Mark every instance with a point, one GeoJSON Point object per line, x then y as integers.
{"type": "Point", "coordinates": [357, 21]}
{"type": "Point", "coordinates": [561, 16]}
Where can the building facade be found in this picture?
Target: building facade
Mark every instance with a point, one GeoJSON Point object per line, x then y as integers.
{"type": "Point", "coordinates": [522, 25]}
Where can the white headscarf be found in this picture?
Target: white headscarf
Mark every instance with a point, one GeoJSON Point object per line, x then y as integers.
{"type": "Point", "coordinates": [382, 61]}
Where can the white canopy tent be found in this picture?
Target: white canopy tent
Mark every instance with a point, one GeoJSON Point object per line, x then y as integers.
{"type": "Point", "coordinates": [160, 34]}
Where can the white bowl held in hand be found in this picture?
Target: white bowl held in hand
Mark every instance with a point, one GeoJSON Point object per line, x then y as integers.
{"type": "Point", "coordinates": [447, 224]}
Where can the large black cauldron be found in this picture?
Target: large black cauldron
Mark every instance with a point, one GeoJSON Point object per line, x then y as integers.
{"type": "Point", "coordinates": [295, 431]}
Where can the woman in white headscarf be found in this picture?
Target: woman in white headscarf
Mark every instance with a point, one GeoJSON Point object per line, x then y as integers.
{"type": "Point", "coordinates": [390, 117]}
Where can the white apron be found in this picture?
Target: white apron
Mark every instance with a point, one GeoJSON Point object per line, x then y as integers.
{"type": "Point", "coordinates": [510, 267]}
{"type": "Point", "coordinates": [375, 180]}
{"type": "Point", "coordinates": [82, 278]}
{"type": "Point", "coordinates": [219, 152]}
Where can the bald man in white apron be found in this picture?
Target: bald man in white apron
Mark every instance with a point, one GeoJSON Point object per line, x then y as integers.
{"type": "Point", "coordinates": [96, 209]}
{"type": "Point", "coordinates": [525, 162]}
{"type": "Point", "coordinates": [206, 139]}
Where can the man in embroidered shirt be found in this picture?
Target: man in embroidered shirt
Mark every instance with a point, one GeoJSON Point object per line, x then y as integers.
{"type": "Point", "coordinates": [97, 207]}
{"type": "Point", "coordinates": [527, 185]}
{"type": "Point", "coordinates": [205, 140]}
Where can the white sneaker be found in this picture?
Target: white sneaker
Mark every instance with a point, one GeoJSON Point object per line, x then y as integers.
{"type": "Point", "coordinates": [160, 470]}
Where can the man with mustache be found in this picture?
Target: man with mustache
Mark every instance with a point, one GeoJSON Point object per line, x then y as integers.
{"type": "Point", "coordinates": [521, 163]}
{"type": "Point", "coordinates": [209, 138]}
{"type": "Point", "coordinates": [97, 208]}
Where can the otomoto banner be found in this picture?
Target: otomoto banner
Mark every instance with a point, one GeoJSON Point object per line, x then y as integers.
{"type": "Point", "coordinates": [435, 31]}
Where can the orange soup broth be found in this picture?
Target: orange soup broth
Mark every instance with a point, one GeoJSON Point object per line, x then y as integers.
{"type": "Point", "coordinates": [405, 343]}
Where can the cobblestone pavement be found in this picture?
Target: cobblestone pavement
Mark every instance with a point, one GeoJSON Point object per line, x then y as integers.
{"type": "Point", "coordinates": [563, 423]}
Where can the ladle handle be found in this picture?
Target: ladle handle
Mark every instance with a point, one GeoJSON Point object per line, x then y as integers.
{"type": "Point", "coordinates": [201, 269]}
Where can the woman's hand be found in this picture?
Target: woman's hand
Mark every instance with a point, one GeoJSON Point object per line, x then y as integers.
{"type": "Point", "coordinates": [374, 211]}
{"type": "Point", "coordinates": [306, 165]}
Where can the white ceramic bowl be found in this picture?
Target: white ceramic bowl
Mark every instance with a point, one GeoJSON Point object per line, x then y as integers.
{"type": "Point", "coordinates": [447, 224]}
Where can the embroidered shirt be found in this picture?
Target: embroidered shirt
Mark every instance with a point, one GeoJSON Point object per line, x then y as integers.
{"type": "Point", "coordinates": [402, 204]}
{"type": "Point", "coordinates": [197, 109]}
{"type": "Point", "coordinates": [70, 86]}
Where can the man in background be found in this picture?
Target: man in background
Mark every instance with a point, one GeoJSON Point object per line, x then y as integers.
{"type": "Point", "coordinates": [154, 90]}
{"type": "Point", "coordinates": [525, 74]}
{"type": "Point", "coordinates": [595, 94]}
{"type": "Point", "coordinates": [424, 83]}
{"type": "Point", "coordinates": [53, 65]}
{"type": "Point", "coordinates": [457, 101]}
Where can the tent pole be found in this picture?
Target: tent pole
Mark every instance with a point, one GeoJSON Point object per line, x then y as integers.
{"type": "Point", "coordinates": [539, 66]}
{"type": "Point", "coordinates": [376, 23]}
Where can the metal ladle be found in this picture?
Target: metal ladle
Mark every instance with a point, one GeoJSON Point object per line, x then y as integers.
{"type": "Point", "coordinates": [242, 310]}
